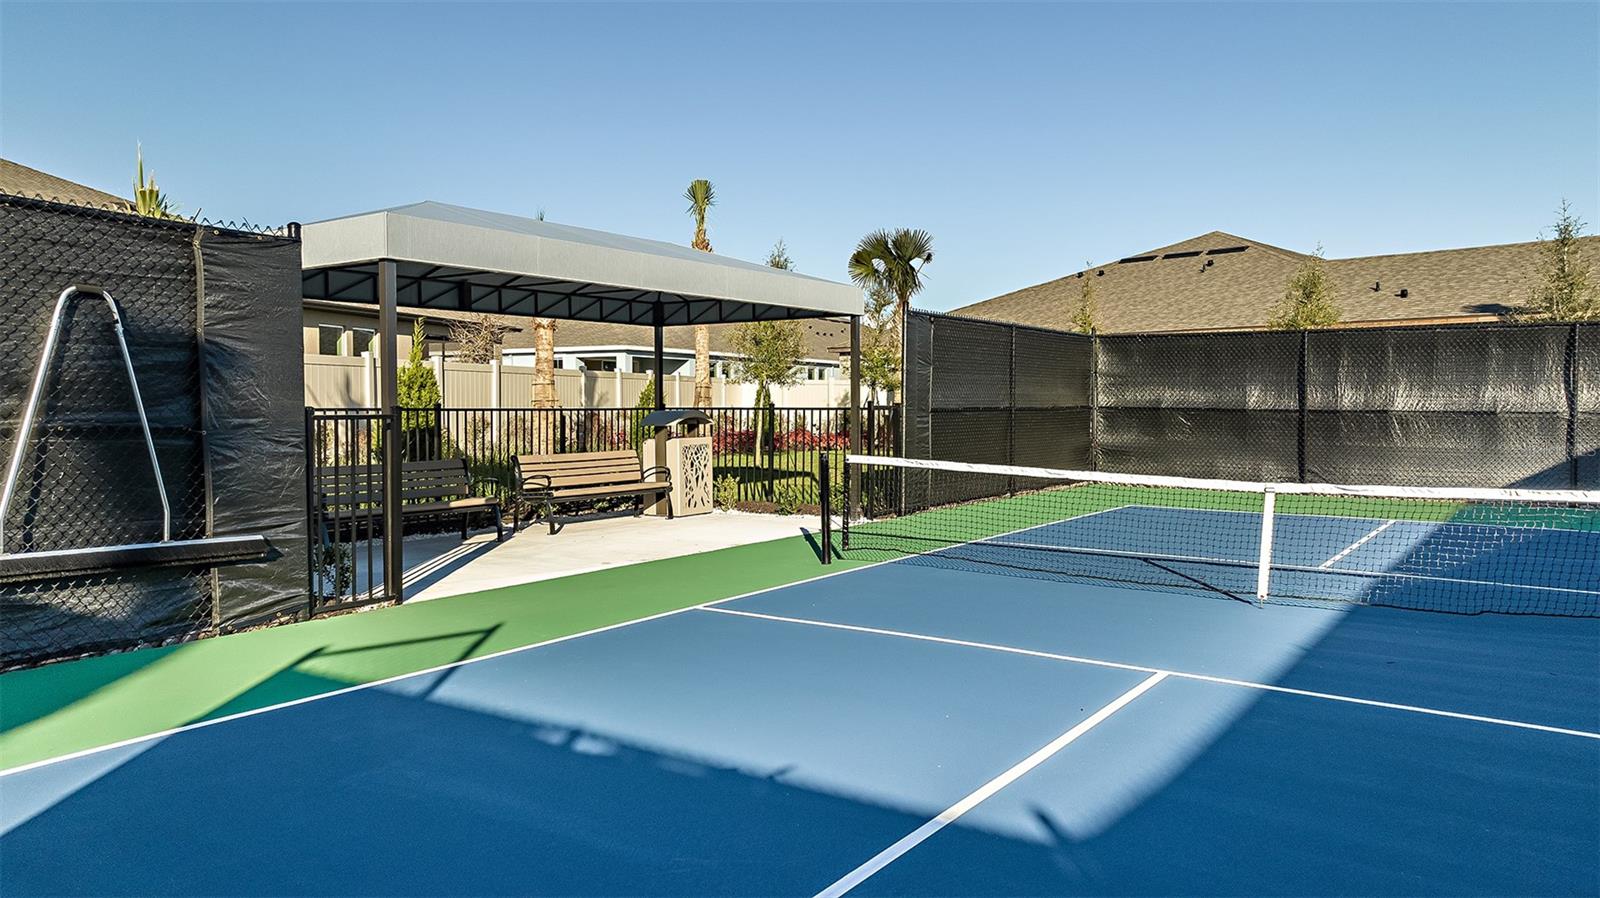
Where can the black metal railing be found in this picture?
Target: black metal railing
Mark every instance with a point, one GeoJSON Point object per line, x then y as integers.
{"type": "Point", "coordinates": [764, 459]}
{"type": "Point", "coordinates": [344, 461]}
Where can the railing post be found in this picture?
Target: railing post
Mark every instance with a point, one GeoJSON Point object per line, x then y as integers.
{"type": "Point", "coordinates": [1572, 375]}
{"type": "Point", "coordinates": [827, 508]}
{"type": "Point", "coordinates": [313, 538]}
{"type": "Point", "coordinates": [852, 484]}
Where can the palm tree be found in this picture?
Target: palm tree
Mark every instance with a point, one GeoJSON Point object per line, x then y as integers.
{"type": "Point", "coordinates": [544, 358]}
{"type": "Point", "coordinates": [701, 198]}
{"type": "Point", "coordinates": [892, 262]}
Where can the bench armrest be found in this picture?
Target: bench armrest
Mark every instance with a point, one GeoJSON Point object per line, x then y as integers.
{"type": "Point", "coordinates": [658, 469]}
{"type": "Point", "coordinates": [528, 480]}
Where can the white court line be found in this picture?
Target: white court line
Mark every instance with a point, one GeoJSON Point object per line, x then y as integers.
{"type": "Point", "coordinates": [1140, 668]}
{"type": "Point", "coordinates": [949, 815]}
{"type": "Point", "coordinates": [707, 606]}
{"type": "Point", "coordinates": [172, 731]}
{"type": "Point", "coordinates": [1357, 544]}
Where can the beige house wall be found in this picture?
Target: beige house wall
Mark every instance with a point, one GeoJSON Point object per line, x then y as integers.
{"type": "Point", "coordinates": [351, 382]}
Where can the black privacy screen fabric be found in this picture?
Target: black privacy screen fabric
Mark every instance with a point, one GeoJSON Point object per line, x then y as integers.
{"type": "Point", "coordinates": [1474, 406]}
{"type": "Point", "coordinates": [1200, 405]}
{"type": "Point", "coordinates": [1586, 425]}
{"type": "Point", "coordinates": [1453, 405]}
{"type": "Point", "coordinates": [254, 379]}
{"type": "Point", "coordinates": [85, 478]}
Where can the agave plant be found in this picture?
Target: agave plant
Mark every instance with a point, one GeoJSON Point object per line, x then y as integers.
{"type": "Point", "coordinates": [147, 197]}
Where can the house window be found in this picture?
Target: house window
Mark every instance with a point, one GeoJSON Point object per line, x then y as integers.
{"type": "Point", "coordinates": [329, 336]}
{"type": "Point", "coordinates": [361, 339]}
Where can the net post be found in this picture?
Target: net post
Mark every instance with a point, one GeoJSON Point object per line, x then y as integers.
{"type": "Point", "coordinates": [1264, 564]}
{"type": "Point", "coordinates": [844, 522]}
{"type": "Point", "coordinates": [826, 529]}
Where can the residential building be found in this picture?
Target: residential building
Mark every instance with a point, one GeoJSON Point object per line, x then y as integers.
{"type": "Point", "coordinates": [20, 180]}
{"type": "Point", "coordinates": [619, 347]}
{"type": "Point", "coordinates": [1220, 281]}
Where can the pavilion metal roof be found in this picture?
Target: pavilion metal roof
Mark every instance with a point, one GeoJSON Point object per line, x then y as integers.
{"type": "Point", "coordinates": [452, 257]}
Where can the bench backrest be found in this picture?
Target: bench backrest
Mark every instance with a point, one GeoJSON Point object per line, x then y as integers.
{"type": "Point", "coordinates": [578, 469]}
{"type": "Point", "coordinates": [420, 481]}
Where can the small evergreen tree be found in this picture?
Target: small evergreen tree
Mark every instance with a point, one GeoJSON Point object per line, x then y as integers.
{"type": "Point", "coordinates": [1307, 299]}
{"type": "Point", "coordinates": [645, 405]}
{"type": "Point", "coordinates": [1566, 289]}
{"type": "Point", "coordinates": [779, 257]}
{"type": "Point", "coordinates": [418, 393]}
{"type": "Point", "coordinates": [1087, 319]}
{"type": "Point", "coordinates": [769, 355]}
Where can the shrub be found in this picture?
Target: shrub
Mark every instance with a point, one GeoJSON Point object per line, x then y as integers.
{"type": "Point", "coordinates": [727, 439]}
{"type": "Point", "coordinates": [787, 496]}
{"type": "Point", "coordinates": [800, 438]}
{"type": "Point", "coordinates": [726, 495]}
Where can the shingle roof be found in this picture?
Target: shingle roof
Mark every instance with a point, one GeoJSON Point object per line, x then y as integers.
{"type": "Point", "coordinates": [20, 180]}
{"type": "Point", "coordinates": [1174, 288]}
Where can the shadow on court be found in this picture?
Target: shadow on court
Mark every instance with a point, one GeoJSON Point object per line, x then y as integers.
{"type": "Point", "coordinates": [377, 793]}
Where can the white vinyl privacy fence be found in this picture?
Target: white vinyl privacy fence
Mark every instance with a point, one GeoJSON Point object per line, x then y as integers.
{"type": "Point", "coordinates": [352, 382]}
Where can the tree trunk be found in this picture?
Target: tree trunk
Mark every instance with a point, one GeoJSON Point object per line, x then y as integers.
{"type": "Point", "coordinates": [702, 366]}
{"type": "Point", "coordinates": [542, 438]}
{"type": "Point", "coordinates": [544, 364]}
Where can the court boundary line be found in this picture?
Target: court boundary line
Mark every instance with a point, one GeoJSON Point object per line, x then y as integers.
{"type": "Point", "coordinates": [464, 661]}
{"type": "Point", "coordinates": [1351, 517]}
{"type": "Point", "coordinates": [1358, 543]}
{"type": "Point", "coordinates": [1146, 669]}
{"type": "Point", "coordinates": [372, 684]}
{"type": "Point", "coordinates": [986, 791]}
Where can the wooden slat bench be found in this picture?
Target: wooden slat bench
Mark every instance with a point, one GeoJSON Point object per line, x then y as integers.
{"type": "Point", "coordinates": [427, 488]}
{"type": "Point", "coordinates": [550, 480]}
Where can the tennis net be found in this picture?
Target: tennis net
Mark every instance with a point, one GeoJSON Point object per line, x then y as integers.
{"type": "Point", "coordinates": [1443, 549]}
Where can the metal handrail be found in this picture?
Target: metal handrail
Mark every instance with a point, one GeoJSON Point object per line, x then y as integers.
{"type": "Point", "coordinates": [25, 431]}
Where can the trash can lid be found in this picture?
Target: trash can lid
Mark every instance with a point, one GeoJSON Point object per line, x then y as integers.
{"type": "Point", "coordinates": [670, 416]}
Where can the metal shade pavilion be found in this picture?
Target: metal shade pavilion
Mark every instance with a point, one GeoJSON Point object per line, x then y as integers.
{"type": "Point", "coordinates": [438, 256]}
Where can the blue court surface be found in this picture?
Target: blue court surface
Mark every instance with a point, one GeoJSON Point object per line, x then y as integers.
{"type": "Point", "coordinates": [899, 729]}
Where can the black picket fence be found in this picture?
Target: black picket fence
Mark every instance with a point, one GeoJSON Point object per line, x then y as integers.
{"type": "Point", "coordinates": [765, 459]}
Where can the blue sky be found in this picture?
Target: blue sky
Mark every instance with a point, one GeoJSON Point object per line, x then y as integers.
{"type": "Point", "coordinates": [1026, 138]}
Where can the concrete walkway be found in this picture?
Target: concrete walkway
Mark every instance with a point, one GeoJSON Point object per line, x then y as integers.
{"type": "Point", "coordinates": [442, 565]}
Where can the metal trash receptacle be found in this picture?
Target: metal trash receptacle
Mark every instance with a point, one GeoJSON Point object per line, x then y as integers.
{"type": "Point", "coordinates": [680, 445]}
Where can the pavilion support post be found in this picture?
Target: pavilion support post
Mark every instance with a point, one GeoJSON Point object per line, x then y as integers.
{"type": "Point", "coordinates": [658, 325]}
{"type": "Point", "coordinates": [853, 484]}
{"type": "Point", "coordinates": [389, 399]}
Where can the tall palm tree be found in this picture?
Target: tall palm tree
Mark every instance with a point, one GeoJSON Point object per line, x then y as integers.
{"type": "Point", "coordinates": [892, 262]}
{"type": "Point", "coordinates": [544, 358]}
{"type": "Point", "coordinates": [701, 198]}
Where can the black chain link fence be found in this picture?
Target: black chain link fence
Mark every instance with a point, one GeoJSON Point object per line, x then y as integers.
{"type": "Point", "coordinates": [85, 477]}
